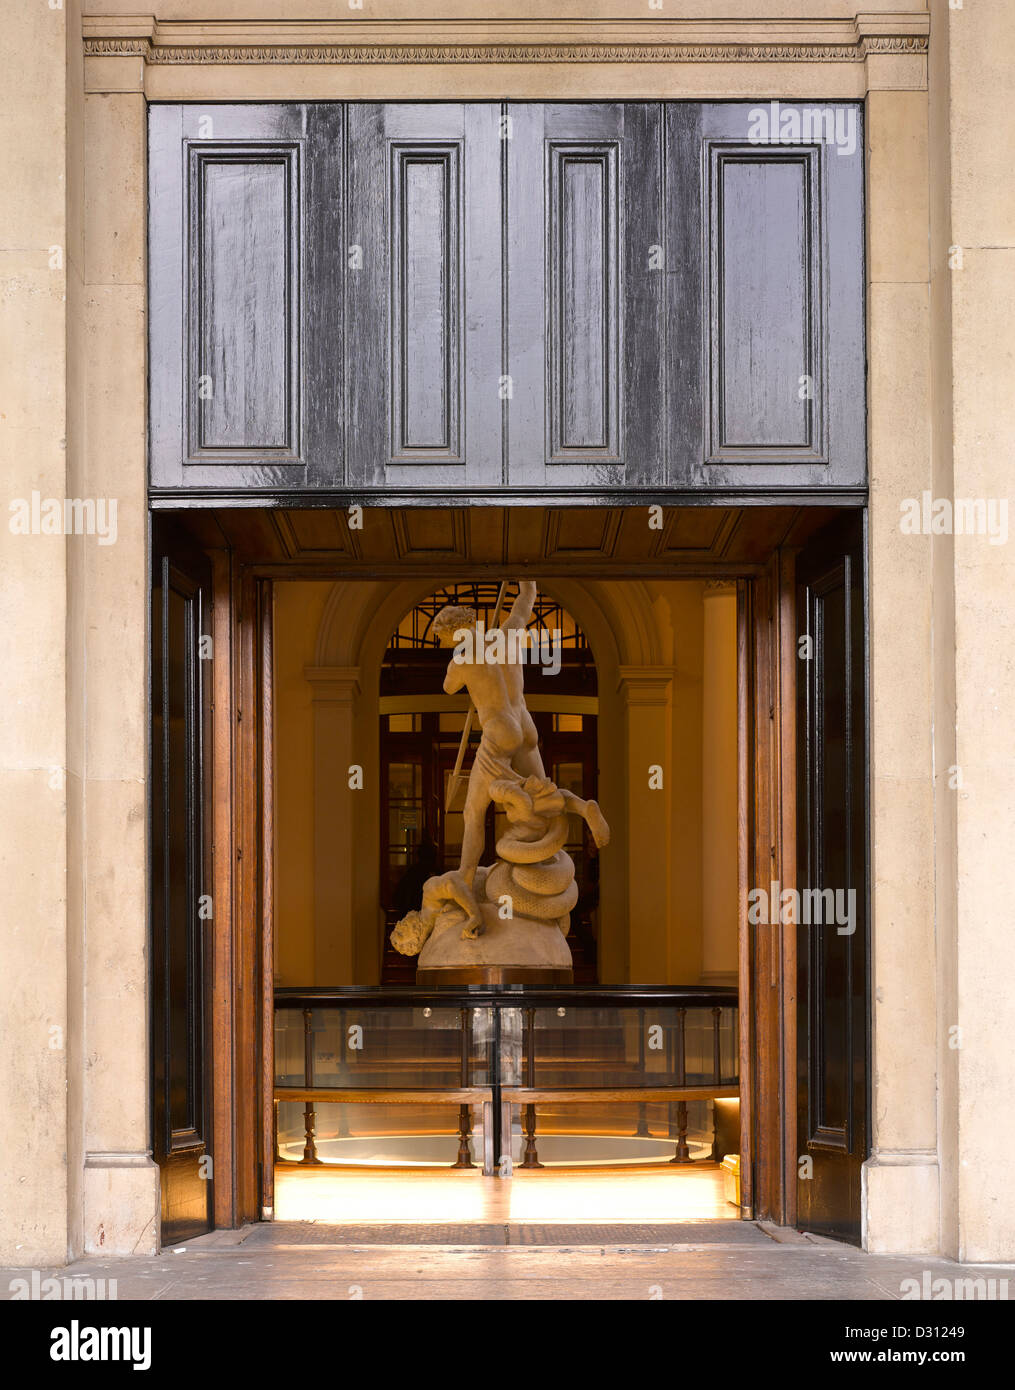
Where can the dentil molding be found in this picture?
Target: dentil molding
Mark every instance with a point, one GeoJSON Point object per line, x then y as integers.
{"type": "Point", "coordinates": [495, 42]}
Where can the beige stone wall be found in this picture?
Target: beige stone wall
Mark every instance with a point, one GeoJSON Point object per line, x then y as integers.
{"type": "Point", "coordinates": [73, 1084]}
{"type": "Point", "coordinates": [35, 927]}
{"type": "Point", "coordinates": [943, 581]}
{"type": "Point", "coordinates": [902, 1176]}
{"type": "Point", "coordinates": [978, 1072]}
{"type": "Point", "coordinates": [121, 1183]}
{"type": "Point", "coordinates": [940, 351]}
{"type": "Point", "coordinates": [942, 241]}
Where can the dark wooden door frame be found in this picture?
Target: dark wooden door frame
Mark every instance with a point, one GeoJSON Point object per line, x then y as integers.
{"type": "Point", "coordinates": [180, 866]}
{"type": "Point", "coordinates": [266, 758]}
{"type": "Point", "coordinates": [833, 1035]}
{"type": "Point", "coordinates": [767, 814]}
{"type": "Point", "coordinates": [243, 828]}
{"type": "Point", "coordinates": [241, 887]}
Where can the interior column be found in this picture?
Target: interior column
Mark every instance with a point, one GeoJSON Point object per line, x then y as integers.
{"type": "Point", "coordinates": [646, 695]}
{"type": "Point", "coordinates": [335, 690]}
{"type": "Point", "coordinates": [719, 785]}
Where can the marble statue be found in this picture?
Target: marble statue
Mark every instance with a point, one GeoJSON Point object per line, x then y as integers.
{"type": "Point", "coordinates": [515, 913]}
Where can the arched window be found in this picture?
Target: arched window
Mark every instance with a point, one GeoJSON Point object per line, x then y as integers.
{"type": "Point", "coordinates": [414, 631]}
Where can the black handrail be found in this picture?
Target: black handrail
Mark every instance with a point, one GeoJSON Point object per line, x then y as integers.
{"type": "Point", "coordinates": [508, 996]}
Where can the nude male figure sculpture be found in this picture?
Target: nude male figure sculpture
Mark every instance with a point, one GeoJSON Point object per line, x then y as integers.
{"type": "Point", "coordinates": [509, 746]}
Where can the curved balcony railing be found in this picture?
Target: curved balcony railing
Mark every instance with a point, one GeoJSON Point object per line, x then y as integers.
{"type": "Point", "coordinates": [580, 1061]}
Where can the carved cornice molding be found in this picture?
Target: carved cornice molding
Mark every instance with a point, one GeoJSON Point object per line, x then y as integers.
{"type": "Point", "coordinates": [345, 42]}
{"type": "Point", "coordinates": [513, 53]}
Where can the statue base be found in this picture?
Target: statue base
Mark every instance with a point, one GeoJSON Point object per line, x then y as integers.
{"type": "Point", "coordinates": [494, 975]}
{"type": "Point", "coordinates": [512, 951]}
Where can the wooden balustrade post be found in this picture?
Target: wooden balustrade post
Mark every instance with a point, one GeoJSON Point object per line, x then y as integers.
{"type": "Point", "coordinates": [531, 1156]}
{"type": "Point", "coordinates": [642, 1131]}
{"type": "Point", "coordinates": [309, 1112]}
{"type": "Point", "coordinates": [464, 1159]}
{"type": "Point", "coordinates": [683, 1153]}
{"type": "Point", "coordinates": [717, 1078]}
{"type": "Point", "coordinates": [502, 1123]}
{"type": "Point", "coordinates": [343, 1053]}
{"type": "Point", "coordinates": [671, 1126]}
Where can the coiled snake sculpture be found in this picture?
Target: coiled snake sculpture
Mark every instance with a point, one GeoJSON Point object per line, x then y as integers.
{"type": "Point", "coordinates": [533, 870]}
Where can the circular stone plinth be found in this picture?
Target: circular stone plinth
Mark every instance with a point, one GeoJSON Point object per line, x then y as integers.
{"type": "Point", "coordinates": [513, 950]}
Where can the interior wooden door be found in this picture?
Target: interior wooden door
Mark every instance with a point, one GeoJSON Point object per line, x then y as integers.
{"type": "Point", "coordinates": [833, 1033]}
{"type": "Point", "coordinates": [180, 886]}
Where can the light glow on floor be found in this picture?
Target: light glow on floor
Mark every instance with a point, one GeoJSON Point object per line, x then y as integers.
{"type": "Point", "coordinates": [562, 1196]}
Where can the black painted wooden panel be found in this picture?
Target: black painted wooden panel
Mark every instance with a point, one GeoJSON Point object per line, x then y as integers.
{"type": "Point", "coordinates": [584, 295]}
{"type": "Point", "coordinates": [245, 282]}
{"type": "Point", "coordinates": [447, 297]}
{"type": "Point", "coordinates": [765, 324]}
{"type": "Point", "coordinates": [424, 298]}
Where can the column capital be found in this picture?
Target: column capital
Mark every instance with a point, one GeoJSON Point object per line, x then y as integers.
{"type": "Point", "coordinates": [646, 685]}
{"type": "Point", "coordinates": [333, 683]}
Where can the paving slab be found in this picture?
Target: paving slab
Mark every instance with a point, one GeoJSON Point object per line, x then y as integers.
{"type": "Point", "coordinates": [680, 1262]}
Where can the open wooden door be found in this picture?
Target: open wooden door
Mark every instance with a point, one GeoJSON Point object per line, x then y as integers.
{"type": "Point", "coordinates": [833, 1034]}
{"type": "Point", "coordinates": [180, 884]}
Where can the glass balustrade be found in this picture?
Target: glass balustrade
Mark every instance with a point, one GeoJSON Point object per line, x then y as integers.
{"type": "Point", "coordinates": [494, 1078]}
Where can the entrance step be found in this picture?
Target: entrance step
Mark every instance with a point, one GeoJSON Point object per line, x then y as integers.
{"type": "Point", "coordinates": [671, 1233]}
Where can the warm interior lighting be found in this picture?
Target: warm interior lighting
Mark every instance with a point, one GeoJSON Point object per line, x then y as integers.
{"type": "Point", "coordinates": [552, 1198]}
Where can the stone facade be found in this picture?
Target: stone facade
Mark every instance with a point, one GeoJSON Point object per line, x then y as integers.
{"type": "Point", "coordinates": [941, 335]}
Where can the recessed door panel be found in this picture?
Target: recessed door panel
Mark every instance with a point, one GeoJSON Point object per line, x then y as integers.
{"type": "Point", "coordinates": [243, 387]}
{"type": "Point", "coordinates": [246, 279]}
{"type": "Point", "coordinates": [765, 312]}
{"type": "Point", "coordinates": [584, 295]}
{"type": "Point", "coordinates": [765, 376]}
{"type": "Point", "coordinates": [426, 359]}
{"type": "Point", "coordinates": [424, 297]}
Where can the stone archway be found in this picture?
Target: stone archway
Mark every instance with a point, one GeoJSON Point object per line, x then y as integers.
{"type": "Point", "coordinates": [650, 704]}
